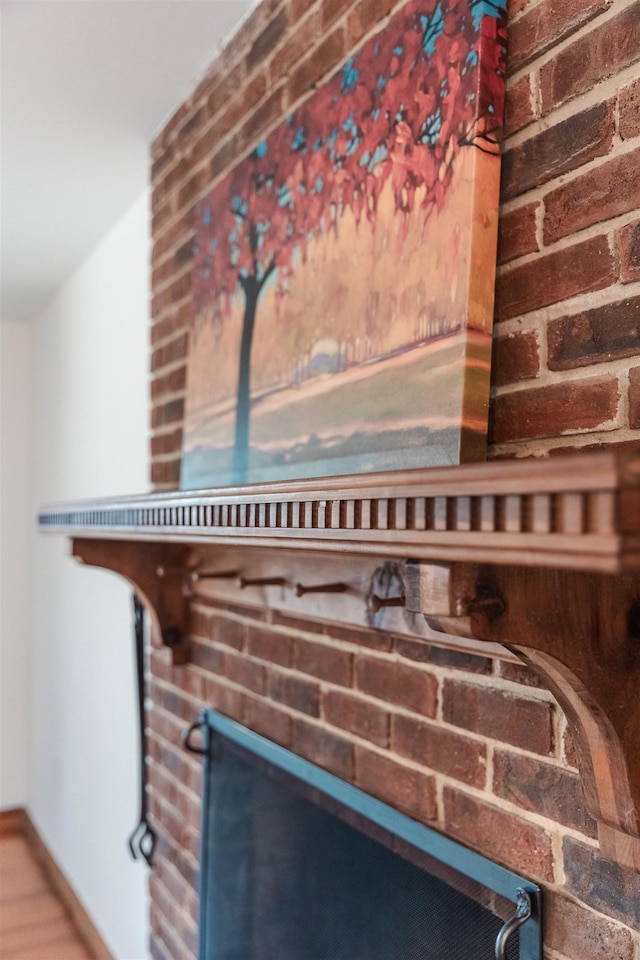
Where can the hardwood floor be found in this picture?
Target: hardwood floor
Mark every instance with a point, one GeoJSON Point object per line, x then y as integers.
{"type": "Point", "coordinates": [34, 924]}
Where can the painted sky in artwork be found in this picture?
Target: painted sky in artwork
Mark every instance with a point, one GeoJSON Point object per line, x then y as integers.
{"type": "Point", "coordinates": [344, 269]}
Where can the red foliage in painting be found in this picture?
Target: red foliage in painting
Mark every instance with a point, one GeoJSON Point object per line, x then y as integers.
{"type": "Point", "coordinates": [398, 112]}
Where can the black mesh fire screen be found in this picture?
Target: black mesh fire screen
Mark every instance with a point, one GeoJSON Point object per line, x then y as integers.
{"type": "Point", "coordinates": [299, 865]}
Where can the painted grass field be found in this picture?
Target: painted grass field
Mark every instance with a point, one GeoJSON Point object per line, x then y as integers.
{"type": "Point", "coordinates": [398, 413]}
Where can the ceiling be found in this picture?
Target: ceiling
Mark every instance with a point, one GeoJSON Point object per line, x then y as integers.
{"type": "Point", "coordinates": [85, 84]}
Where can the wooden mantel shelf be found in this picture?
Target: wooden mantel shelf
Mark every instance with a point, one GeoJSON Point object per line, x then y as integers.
{"type": "Point", "coordinates": [539, 556]}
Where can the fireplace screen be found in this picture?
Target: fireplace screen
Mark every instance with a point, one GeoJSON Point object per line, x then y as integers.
{"type": "Point", "coordinates": [299, 865]}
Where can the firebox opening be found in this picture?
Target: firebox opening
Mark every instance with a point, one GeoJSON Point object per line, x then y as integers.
{"type": "Point", "coordinates": [300, 865]}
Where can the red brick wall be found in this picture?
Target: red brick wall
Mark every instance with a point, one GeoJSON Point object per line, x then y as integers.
{"type": "Point", "coordinates": [472, 745]}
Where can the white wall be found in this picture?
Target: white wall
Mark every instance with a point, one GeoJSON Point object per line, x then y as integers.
{"type": "Point", "coordinates": [15, 527]}
{"type": "Point", "coordinates": [90, 438]}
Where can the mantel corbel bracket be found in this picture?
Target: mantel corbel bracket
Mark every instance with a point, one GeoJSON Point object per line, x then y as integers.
{"type": "Point", "coordinates": [580, 632]}
{"type": "Point", "coordinates": [156, 571]}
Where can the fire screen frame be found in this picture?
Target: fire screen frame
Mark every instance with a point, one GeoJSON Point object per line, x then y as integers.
{"type": "Point", "coordinates": [448, 852]}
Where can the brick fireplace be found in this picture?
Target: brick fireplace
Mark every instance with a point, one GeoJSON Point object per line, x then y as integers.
{"type": "Point", "coordinates": [469, 743]}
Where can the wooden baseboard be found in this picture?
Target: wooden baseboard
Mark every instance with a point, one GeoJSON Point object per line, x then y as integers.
{"type": "Point", "coordinates": [18, 821]}
{"type": "Point", "coordinates": [12, 821]}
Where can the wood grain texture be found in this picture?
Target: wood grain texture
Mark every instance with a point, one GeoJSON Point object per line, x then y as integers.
{"type": "Point", "coordinates": [41, 918]}
{"type": "Point", "coordinates": [577, 512]}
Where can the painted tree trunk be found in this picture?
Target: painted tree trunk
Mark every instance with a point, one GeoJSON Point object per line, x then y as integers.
{"type": "Point", "coordinates": [240, 467]}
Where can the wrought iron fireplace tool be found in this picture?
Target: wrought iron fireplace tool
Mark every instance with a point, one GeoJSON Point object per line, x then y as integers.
{"type": "Point", "coordinates": [143, 839]}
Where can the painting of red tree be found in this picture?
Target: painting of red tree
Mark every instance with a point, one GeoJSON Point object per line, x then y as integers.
{"type": "Point", "coordinates": [344, 269]}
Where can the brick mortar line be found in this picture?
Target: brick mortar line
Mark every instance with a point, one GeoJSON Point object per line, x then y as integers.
{"type": "Point", "coordinates": [558, 860]}
{"type": "Point", "coordinates": [582, 102]}
{"type": "Point", "coordinates": [161, 197]}
{"type": "Point", "coordinates": [165, 312]}
{"type": "Point", "coordinates": [557, 725]}
{"type": "Point", "coordinates": [165, 685]}
{"type": "Point", "coordinates": [530, 323]}
{"type": "Point", "coordinates": [489, 780]}
{"type": "Point", "coordinates": [169, 863]}
{"type": "Point", "coordinates": [532, 5]}
{"type": "Point", "coordinates": [564, 725]}
{"type": "Point", "coordinates": [174, 336]}
{"type": "Point", "coordinates": [192, 861]}
{"type": "Point", "coordinates": [178, 273]}
{"type": "Point", "coordinates": [173, 248]}
{"type": "Point", "coordinates": [538, 195]}
{"type": "Point", "coordinates": [481, 794]}
{"type": "Point", "coordinates": [606, 228]}
{"type": "Point", "coordinates": [205, 161]}
{"type": "Point", "coordinates": [179, 784]}
{"type": "Point", "coordinates": [163, 892]}
{"type": "Point", "coordinates": [550, 378]}
{"type": "Point", "coordinates": [163, 209]}
{"type": "Point", "coordinates": [288, 106]}
{"type": "Point", "coordinates": [331, 645]}
{"type": "Point", "coordinates": [392, 710]}
{"type": "Point", "coordinates": [552, 827]}
{"type": "Point", "coordinates": [158, 260]}
{"type": "Point", "coordinates": [169, 397]}
{"type": "Point", "coordinates": [165, 371]}
{"type": "Point", "coordinates": [565, 894]}
{"type": "Point", "coordinates": [550, 954]}
{"type": "Point", "coordinates": [164, 923]}
{"type": "Point", "coordinates": [192, 171]}
{"type": "Point", "coordinates": [213, 612]}
{"type": "Point", "coordinates": [166, 398]}
{"type": "Point", "coordinates": [620, 148]}
{"type": "Point", "coordinates": [174, 848]}
{"type": "Point", "coordinates": [157, 708]}
{"type": "Point", "coordinates": [177, 748]}
{"type": "Point", "coordinates": [165, 744]}
{"type": "Point", "coordinates": [439, 797]}
{"type": "Point", "coordinates": [438, 671]}
{"type": "Point", "coordinates": [582, 302]}
{"type": "Point", "coordinates": [518, 449]}
{"type": "Point", "coordinates": [159, 943]}
{"type": "Point", "coordinates": [164, 430]}
{"type": "Point", "coordinates": [163, 458]}
{"type": "Point", "coordinates": [204, 75]}
{"type": "Point", "coordinates": [168, 257]}
{"type": "Point", "coordinates": [169, 807]}
{"type": "Point", "coordinates": [163, 341]}
{"type": "Point", "coordinates": [605, 16]}
{"type": "Point", "coordinates": [325, 640]}
{"type": "Point", "coordinates": [528, 69]}
{"type": "Point", "coordinates": [624, 403]}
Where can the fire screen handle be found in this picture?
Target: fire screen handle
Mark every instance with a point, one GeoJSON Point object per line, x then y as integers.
{"type": "Point", "coordinates": [521, 916]}
{"type": "Point", "coordinates": [198, 726]}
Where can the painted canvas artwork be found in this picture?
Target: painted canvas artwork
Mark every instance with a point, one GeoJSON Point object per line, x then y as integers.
{"type": "Point", "coordinates": [345, 269]}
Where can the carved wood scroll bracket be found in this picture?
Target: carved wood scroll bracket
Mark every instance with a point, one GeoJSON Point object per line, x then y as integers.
{"type": "Point", "coordinates": [580, 632]}
{"type": "Point", "coordinates": [156, 571]}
